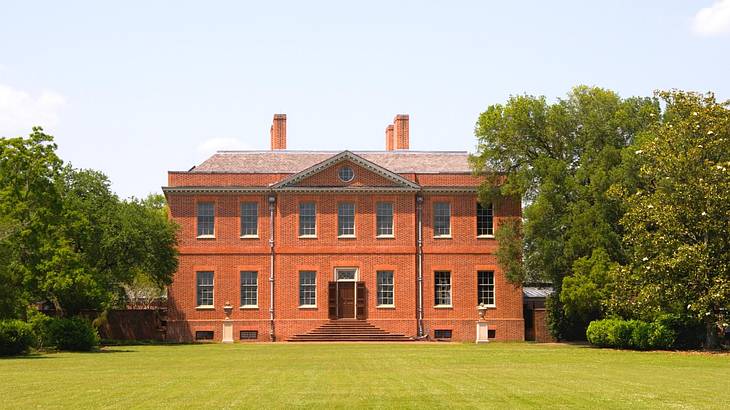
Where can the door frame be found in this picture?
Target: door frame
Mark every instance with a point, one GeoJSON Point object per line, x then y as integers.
{"type": "Point", "coordinates": [337, 281]}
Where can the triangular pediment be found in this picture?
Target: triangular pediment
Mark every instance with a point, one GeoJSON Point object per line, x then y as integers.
{"type": "Point", "coordinates": [366, 175]}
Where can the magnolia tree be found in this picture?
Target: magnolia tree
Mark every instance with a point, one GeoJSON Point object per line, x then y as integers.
{"type": "Point", "coordinates": [678, 223]}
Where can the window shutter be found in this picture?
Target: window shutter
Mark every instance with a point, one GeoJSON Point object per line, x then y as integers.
{"type": "Point", "coordinates": [332, 298]}
{"type": "Point", "coordinates": [361, 298]}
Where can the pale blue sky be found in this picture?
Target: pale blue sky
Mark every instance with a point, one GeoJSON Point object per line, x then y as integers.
{"type": "Point", "coordinates": [135, 89]}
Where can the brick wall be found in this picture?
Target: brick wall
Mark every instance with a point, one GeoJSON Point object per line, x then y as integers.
{"type": "Point", "coordinates": [227, 254]}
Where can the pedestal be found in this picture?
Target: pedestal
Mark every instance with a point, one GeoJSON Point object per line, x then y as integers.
{"type": "Point", "coordinates": [482, 332]}
{"type": "Point", "coordinates": [227, 331]}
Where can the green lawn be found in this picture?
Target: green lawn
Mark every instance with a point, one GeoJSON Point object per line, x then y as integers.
{"type": "Point", "coordinates": [423, 375]}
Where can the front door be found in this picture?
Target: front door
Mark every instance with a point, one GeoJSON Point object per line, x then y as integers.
{"type": "Point", "coordinates": [346, 300]}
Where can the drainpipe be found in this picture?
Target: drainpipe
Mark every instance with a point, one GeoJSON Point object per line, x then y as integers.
{"type": "Point", "coordinates": [419, 259]}
{"type": "Point", "coordinates": [272, 202]}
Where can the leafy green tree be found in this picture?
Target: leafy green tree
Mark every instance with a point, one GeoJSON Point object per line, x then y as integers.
{"type": "Point", "coordinates": [678, 223]}
{"type": "Point", "coordinates": [561, 158]}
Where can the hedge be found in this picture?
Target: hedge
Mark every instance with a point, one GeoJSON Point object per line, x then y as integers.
{"type": "Point", "coordinates": [16, 337]}
{"type": "Point", "coordinates": [74, 334]}
{"type": "Point", "coordinates": [630, 334]}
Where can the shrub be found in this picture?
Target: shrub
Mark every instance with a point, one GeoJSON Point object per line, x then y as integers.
{"type": "Point", "coordinates": [688, 332]}
{"type": "Point", "coordinates": [620, 335]}
{"type": "Point", "coordinates": [16, 337]}
{"type": "Point", "coordinates": [74, 334]}
{"type": "Point", "coordinates": [641, 335]}
{"type": "Point", "coordinates": [598, 331]}
{"type": "Point", "coordinates": [39, 324]}
{"type": "Point", "coordinates": [661, 337]}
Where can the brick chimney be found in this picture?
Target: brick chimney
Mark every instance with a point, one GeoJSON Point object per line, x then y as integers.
{"type": "Point", "coordinates": [400, 132]}
{"type": "Point", "coordinates": [389, 138]}
{"type": "Point", "coordinates": [278, 132]}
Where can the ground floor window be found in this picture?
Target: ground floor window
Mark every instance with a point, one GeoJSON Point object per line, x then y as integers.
{"type": "Point", "coordinates": [205, 288]}
{"type": "Point", "coordinates": [385, 288]}
{"type": "Point", "coordinates": [249, 288]}
{"type": "Point", "coordinates": [442, 288]}
{"type": "Point", "coordinates": [307, 288]}
{"type": "Point", "coordinates": [485, 288]}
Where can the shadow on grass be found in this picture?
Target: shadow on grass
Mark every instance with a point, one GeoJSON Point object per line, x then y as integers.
{"type": "Point", "coordinates": [27, 356]}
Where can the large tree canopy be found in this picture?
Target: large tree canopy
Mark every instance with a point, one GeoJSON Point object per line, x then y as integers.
{"type": "Point", "coordinates": [561, 158]}
{"type": "Point", "coordinates": [65, 237]}
{"type": "Point", "coordinates": [678, 222]}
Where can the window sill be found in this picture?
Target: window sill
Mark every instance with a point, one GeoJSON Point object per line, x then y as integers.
{"type": "Point", "coordinates": [205, 307]}
{"type": "Point", "coordinates": [385, 237]}
{"type": "Point", "coordinates": [442, 237]}
{"type": "Point", "coordinates": [308, 307]}
{"type": "Point", "coordinates": [489, 306]}
{"type": "Point", "coordinates": [443, 307]}
{"type": "Point", "coordinates": [249, 237]}
{"type": "Point", "coordinates": [252, 307]}
{"type": "Point", "coordinates": [206, 237]}
{"type": "Point", "coordinates": [385, 307]}
{"type": "Point", "coordinates": [346, 237]}
{"type": "Point", "coordinates": [485, 236]}
{"type": "Point", "coordinates": [307, 236]}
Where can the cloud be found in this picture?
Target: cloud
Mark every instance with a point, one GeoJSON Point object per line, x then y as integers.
{"type": "Point", "coordinates": [20, 110]}
{"type": "Point", "coordinates": [713, 20]}
{"type": "Point", "coordinates": [212, 145]}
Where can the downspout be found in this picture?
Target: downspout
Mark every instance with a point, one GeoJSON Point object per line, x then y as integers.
{"type": "Point", "coordinates": [419, 263]}
{"type": "Point", "coordinates": [272, 202]}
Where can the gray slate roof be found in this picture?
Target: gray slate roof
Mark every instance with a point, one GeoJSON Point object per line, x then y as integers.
{"type": "Point", "coordinates": [289, 162]}
{"type": "Point", "coordinates": [535, 292]}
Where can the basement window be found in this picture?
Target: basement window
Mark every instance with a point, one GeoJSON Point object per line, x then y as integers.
{"type": "Point", "coordinates": [248, 335]}
{"type": "Point", "coordinates": [204, 335]}
{"type": "Point", "coordinates": [442, 334]}
{"type": "Point", "coordinates": [491, 333]}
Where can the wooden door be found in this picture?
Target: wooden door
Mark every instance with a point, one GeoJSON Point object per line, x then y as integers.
{"type": "Point", "coordinates": [346, 300]}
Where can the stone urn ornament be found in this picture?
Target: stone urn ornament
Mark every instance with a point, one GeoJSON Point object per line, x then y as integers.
{"type": "Point", "coordinates": [482, 309]}
{"type": "Point", "coordinates": [228, 308]}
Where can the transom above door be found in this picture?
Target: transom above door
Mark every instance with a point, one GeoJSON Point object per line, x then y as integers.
{"type": "Point", "coordinates": [346, 274]}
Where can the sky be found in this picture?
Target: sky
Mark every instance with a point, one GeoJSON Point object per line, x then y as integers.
{"type": "Point", "coordinates": [135, 89]}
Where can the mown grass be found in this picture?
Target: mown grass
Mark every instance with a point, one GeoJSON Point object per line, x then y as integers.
{"type": "Point", "coordinates": [422, 375]}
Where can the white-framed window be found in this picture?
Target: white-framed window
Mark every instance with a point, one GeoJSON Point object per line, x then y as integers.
{"type": "Point", "coordinates": [346, 174]}
{"type": "Point", "coordinates": [346, 219]}
{"type": "Point", "coordinates": [206, 219]}
{"type": "Point", "coordinates": [346, 274]}
{"type": "Point", "coordinates": [204, 288]}
{"type": "Point", "coordinates": [307, 219]}
{"type": "Point", "coordinates": [384, 218]}
{"type": "Point", "coordinates": [386, 292]}
{"type": "Point", "coordinates": [442, 288]}
{"type": "Point", "coordinates": [441, 219]}
{"type": "Point", "coordinates": [485, 220]}
{"type": "Point", "coordinates": [249, 219]}
{"type": "Point", "coordinates": [307, 288]}
{"type": "Point", "coordinates": [249, 288]}
{"type": "Point", "coordinates": [485, 287]}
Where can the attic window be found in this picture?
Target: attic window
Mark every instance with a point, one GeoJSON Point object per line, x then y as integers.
{"type": "Point", "coordinates": [346, 174]}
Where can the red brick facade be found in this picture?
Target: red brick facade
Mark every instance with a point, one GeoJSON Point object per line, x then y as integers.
{"type": "Point", "coordinates": [227, 253]}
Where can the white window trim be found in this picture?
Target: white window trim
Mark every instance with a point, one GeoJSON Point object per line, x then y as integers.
{"type": "Point", "coordinates": [377, 289]}
{"type": "Point", "coordinates": [249, 236]}
{"type": "Point", "coordinates": [485, 236]}
{"type": "Point", "coordinates": [350, 236]}
{"type": "Point", "coordinates": [205, 307]}
{"type": "Point", "coordinates": [309, 306]}
{"type": "Point", "coordinates": [299, 221]}
{"type": "Point", "coordinates": [205, 237]}
{"type": "Point", "coordinates": [249, 307]}
{"type": "Point", "coordinates": [384, 236]}
{"type": "Point", "coordinates": [443, 306]}
{"type": "Point", "coordinates": [316, 299]}
{"type": "Point", "coordinates": [308, 236]}
{"type": "Point", "coordinates": [494, 278]}
{"type": "Point", "coordinates": [441, 236]}
{"type": "Point", "coordinates": [354, 221]}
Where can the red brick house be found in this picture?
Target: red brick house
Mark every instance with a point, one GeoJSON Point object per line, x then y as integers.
{"type": "Point", "coordinates": [278, 245]}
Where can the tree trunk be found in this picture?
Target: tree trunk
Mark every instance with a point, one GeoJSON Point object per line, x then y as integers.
{"type": "Point", "coordinates": [712, 341]}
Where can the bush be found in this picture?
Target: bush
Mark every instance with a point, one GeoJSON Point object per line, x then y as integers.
{"type": "Point", "coordinates": [630, 334]}
{"type": "Point", "coordinates": [641, 335]}
{"type": "Point", "coordinates": [74, 334]}
{"type": "Point", "coordinates": [39, 324]}
{"type": "Point", "coordinates": [688, 332]}
{"type": "Point", "coordinates": [16, 337]}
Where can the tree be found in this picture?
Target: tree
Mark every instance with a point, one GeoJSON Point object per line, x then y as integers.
{"type": "Point", "coordinates": [65, 237]}
{"type": "Point", "coordinates": [678, 223]}
{"type": "Point", "coordinates": [561, 158]}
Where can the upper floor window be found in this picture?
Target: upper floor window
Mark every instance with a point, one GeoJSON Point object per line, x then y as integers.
{"type": "Point", "coordinates": [441, 219]}
{"type": "Point", "coordinates": [204, 291]}
{"type": "Point", "coordinates": [249, 219]}
{"type": "Point", "coordinates": [442, 288]}
{"type": "Point", "coordinates": [346, 219]}
{"type": "Point", "coordinates": [206, 219]}
{"type": "Point", "coordinates": [385, 288]}
{"type": "Point", "coordinates": [485, 287]}
{"type": "Point", "coordinates": [485, 220]}
{"type": "Point", "coordinates": [307, 288]}
{"type": "Point", "coordinates": [384, 218]}
{"type": "Point", "coordinates": [249, 288]}
{"type": "Point", "coordinates": [307, 219]}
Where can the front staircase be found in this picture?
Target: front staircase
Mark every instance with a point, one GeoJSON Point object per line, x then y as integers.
{"type": "Point", "coordinates": [349, 330]}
